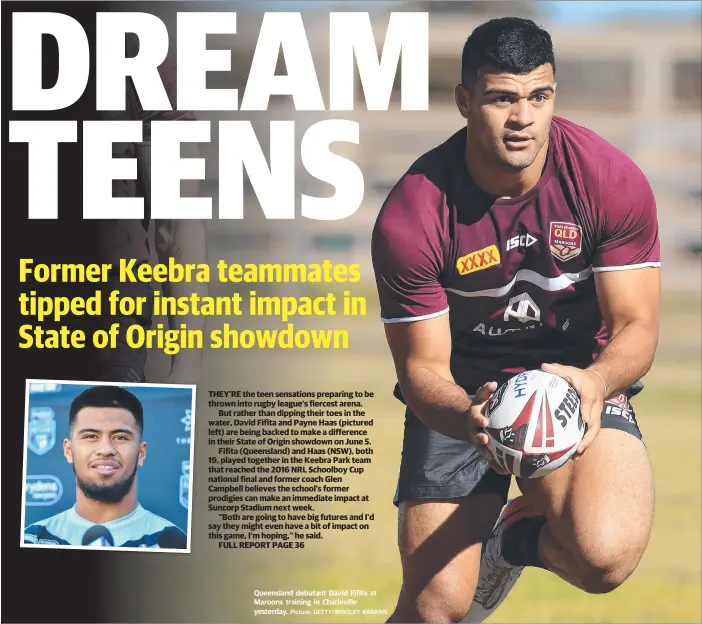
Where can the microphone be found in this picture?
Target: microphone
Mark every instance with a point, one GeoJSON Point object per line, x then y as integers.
{"type": "Point", "coordinates": [172, 537]}
{"type": "Point", "coordinates": [98, 535]}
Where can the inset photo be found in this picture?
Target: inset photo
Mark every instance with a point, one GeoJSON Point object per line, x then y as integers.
{"type": "Point", "coordinates": [108, 465]}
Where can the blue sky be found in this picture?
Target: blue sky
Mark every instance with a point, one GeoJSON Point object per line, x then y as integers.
{"type": "Point", "coordinates": [567, 11]}
{"type": "Point", "coordinates": [585, 11]}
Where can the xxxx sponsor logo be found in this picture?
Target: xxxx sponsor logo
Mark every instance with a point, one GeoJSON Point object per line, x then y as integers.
{"type": "Point", "coordinates": [478, 260]}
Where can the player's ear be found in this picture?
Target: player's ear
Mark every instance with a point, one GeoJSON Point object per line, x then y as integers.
{"type": "Point", "coordinates": [142, 454]}
{"type": "Point", "coordinates": [67, 451]}
{"type": "Point", "coordinates": [462, 97]}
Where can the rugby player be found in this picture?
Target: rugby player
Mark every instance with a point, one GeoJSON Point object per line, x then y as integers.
{"type": "Point", "coordinates": [523, 241]}
{"type": "Point", "coordinates": [182, 240]}
{"type": "Point", "coordinates": [105, 449]}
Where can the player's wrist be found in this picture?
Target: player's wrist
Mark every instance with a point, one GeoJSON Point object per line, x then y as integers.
{"type": "Point", "coordinates": [602, 379]}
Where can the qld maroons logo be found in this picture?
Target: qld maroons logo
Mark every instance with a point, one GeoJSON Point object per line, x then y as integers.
{"type": "Point", "coordinates": [565, 240]}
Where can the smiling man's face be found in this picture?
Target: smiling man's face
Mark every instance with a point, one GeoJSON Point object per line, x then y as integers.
{"type": "Point", "coordinates": [105, 449]}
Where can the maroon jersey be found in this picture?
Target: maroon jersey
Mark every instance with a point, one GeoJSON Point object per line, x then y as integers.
{"type": "Point", "coordinates": [515, 275]}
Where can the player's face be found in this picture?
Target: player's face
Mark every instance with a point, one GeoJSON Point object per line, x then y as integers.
{"type": "Point", "coordinates": [509, 115]}
{"type": "Point", "coordinates": [105, 449]}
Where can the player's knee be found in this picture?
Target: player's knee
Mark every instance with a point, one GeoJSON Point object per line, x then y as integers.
{"type": "Point", "coordinates": [440, 601]}
{"type": "Point", "coordinates": [443, 604]}
{"type": "Point", "coordinates": [606, 568]}
{"type": "Point", "coordinates": [604, 580]}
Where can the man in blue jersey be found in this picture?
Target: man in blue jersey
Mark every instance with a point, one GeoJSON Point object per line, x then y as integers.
{"type": "Point", "coordinates": [106, 448]}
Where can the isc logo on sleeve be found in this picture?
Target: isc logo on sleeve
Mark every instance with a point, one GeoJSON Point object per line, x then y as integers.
{"type": "Point", "coordinates": [478, 260]}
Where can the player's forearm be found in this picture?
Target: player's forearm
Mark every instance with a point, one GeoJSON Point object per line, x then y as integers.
{"type": "Point", "coordinates": [439, 403]}
{"type": "Point", "coordinates": [628, 356]}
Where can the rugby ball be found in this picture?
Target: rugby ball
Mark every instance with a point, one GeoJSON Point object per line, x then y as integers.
{"type": "Point", "coordinates": [534, 424]}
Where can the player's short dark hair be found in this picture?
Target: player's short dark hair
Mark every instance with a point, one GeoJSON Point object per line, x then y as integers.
{"type": "Point", "coordinates": [107, 396]}
{"type": "Point", "coordinates": [506, 44]}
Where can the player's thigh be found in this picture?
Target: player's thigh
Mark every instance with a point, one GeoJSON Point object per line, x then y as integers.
{"type": "Point", "coordinates": [440, 545]}
{"type": "Point", "coordinates": [600, 507]}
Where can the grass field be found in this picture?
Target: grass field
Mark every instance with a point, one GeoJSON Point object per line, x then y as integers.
{"type": "Point", "coordinates": [665, 588]}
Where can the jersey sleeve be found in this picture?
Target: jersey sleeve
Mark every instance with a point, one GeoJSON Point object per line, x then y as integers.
{"type": "Point", "coordinates": [630, 236]}
{"type": "Point", "coordinates": [407, 256]}
{"type": "Point", "coordinates": [45, 532]}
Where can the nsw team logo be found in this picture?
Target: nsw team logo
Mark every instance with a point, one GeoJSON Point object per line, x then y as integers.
{"type": "Point", "coordinates": [478, 260]}
{"type": "Point", "coordinates": [41, 430]}
{"type": "Point", "coordinates": [565, 240]}
{"type": "Point", "coordinates": [185, 483]}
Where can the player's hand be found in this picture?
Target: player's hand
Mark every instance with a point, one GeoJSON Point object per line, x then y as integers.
{"type": "Point", "coordinates": [477, 422]}
{"type": "Point", "coordinates": [591, 392]}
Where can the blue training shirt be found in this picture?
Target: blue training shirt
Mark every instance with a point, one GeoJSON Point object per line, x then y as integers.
{"type": "Point", "coordinates": [139, 529]}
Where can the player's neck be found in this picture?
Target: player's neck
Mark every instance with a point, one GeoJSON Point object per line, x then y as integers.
{"type": "Point", "coordinates": [499, 181]}
{"type": "Point", "coordinates": [100, 513]}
